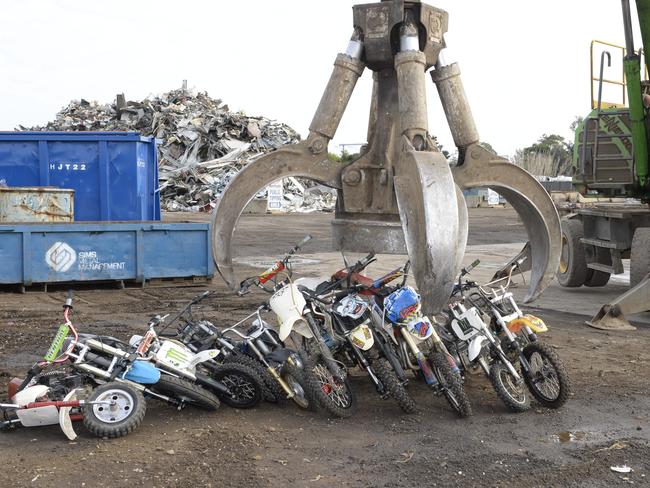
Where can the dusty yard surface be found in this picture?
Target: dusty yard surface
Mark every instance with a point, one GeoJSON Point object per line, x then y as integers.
{"type": "Point", "coordinates": [604, 424]}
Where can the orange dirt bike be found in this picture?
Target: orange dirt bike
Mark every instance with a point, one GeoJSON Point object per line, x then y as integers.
{"type": "Point", "coordinates": [539, 367]}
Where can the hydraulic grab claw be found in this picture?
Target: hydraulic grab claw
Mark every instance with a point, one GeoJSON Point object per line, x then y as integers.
{"type": "Point", "coordinates": [400, 195]}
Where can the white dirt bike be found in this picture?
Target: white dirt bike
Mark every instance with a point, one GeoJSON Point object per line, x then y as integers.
{"type": "Point", "coordinates": [293, 304]}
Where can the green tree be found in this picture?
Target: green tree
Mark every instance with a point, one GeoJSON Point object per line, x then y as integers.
{"type": "Point", "coordinates": [344, 157]}
{"type": "Point", "coordinates": [550, 156]}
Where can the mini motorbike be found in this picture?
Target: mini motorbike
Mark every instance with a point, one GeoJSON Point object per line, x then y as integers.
{"type": "Point", "coordinates": [413, 338]}
{"type": "Point", "coordinates": [195, 375]}
{"type": "Point", "coordinates": [66, 387]}
{"type": "Point", "coordinates": [352, 333]}
{"type": "Point", "coordinates": [476, 347]}
{"type": "Point", "coordinates": [258, 349]}
{"type": "Point", "coordinates": [542, 369]}
{"type": "Point", "coordinates": [294, 305]}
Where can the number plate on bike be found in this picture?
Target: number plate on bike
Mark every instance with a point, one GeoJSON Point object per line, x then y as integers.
{"type": "Point", "coordinates": [57, 343]}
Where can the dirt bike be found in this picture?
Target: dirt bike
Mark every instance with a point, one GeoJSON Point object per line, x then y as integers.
{"type": "Point", "coordinates": [235, 384]}
{"type": "Point", "coordinates": [294, 306]}
{"type": "Point", "coordinates": [475, 346]}
{"type": "Point", "coordinates": [414, 340]}
{"type": "Point", "coordinates": [51, 393]}
{"type": "Point", "coordinates": [353, 335]}
{"type": "Point", "coordinates": [543, 371]}
{"type": "Point", "coordinates": [279, 368]}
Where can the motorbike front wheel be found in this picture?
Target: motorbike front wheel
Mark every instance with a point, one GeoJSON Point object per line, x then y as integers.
{"type": "Point", "coordinates": [272, 391]}
{"type": "Point", "coordinates": [333, 395]}
{"type": "Point", "coordinates": [512, 393]}
{"type": "Point", "coordinates": [547, 378]}
{"type": "Point", "coordinates": [119, 410]}
{"type": "Point", "coordinates": [451, 384]}
{"type": "Point", "coordinates": [394, 387]}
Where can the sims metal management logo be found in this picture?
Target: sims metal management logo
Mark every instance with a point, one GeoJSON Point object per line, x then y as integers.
{"type": "Point", "coordinates": [60, 257]}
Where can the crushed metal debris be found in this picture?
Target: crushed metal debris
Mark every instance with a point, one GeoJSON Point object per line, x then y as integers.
{"type": "Point", "coordinates": [204, 145]}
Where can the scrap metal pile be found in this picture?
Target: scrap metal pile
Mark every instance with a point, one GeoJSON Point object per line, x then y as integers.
{"type": "Point", "coordinates": [204, 145]}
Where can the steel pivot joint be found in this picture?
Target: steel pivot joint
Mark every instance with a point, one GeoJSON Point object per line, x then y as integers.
{"type": "Point", "coordinates": [400, 195]}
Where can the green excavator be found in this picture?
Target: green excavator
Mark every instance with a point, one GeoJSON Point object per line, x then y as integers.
{"type": "Point", "coordinates": [611, 160]}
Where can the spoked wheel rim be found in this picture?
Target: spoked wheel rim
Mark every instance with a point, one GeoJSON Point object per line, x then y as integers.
{"type": "Point", "coordinates": [544, 378]}
{"type": "Point", "coordinates": [333, 389]}
{"type": "Point", "coordinates": [242, 388]}
{"type": "Point", "coordinates": [299, 395]}
{"type": "Point", "coordinates": [116, 405]}
{"type": "Point", "coordinates": [516, 391]}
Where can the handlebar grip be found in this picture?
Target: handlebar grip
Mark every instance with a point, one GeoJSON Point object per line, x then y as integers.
{"type": "Point", "coordinates": [68, 300]}
{"type": "Point", "coordinates": [305, 240]}
{"type": "Point", "coordinates": [473, 265]}
{"type": "Point", "coordinates": [365, 261]}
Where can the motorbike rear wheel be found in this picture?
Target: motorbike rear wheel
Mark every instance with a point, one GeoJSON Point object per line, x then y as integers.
{"type": "Point", "coordinates": [186, 392]}
{"type": "Point", "coordinates": [513, 395]}
{"type": "Point", "coordinates": [243, 383]}
{"type": "Point", "coordinates": [119, 418]}
{"type": "Point", "coordinates": [548, 379]}
{"type": "Point", "coordinates": [452, 385]}
{"type": "Point", "coordinates": [333, 395]}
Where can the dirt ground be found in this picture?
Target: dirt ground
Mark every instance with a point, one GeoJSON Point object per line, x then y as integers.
{"type": "Point", "coordinates": [604, 424]}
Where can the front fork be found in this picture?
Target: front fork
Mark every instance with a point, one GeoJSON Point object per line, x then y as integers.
{"type": "Point", "coordinates": [272, 371]}
{"type": "Point", "coordinates": [388, 352]}
{"type": "Point", "coordinates": [330, 362]}
{"type": "Point", "coordinates": [516, 346]}
{"type": "Point", "coordinates": [365, 364]}
{"type": "Point", "coordinates": [429, 376]}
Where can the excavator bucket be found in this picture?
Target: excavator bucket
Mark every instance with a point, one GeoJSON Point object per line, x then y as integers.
{"type": "Point", "coordinates": [612, 315]}
{"type": "Point", "coordinates": [400, 195]}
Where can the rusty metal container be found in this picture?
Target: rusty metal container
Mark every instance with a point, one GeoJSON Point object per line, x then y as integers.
{"type": "Point", "coordinates": [36, 204]}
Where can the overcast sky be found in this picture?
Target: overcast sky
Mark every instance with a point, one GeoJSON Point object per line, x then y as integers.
{"type": "Point", "coordinates": [525, 64]}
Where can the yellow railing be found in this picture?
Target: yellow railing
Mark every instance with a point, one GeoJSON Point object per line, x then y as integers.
{"type": "Point", "coordinates": [595, 75]}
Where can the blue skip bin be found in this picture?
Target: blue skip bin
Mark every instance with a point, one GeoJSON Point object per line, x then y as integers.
{"type": "Point", "coordinates": [136, 252]}
{"type": "Point", "coordinates": [114, 174]}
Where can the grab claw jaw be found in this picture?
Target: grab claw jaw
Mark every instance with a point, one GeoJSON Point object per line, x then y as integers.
{"type": "Point", "coordinates": [401, 186]}
{"type": "Point", "coordinates": [528, 197]}
{"type": "Point", "coordinates": [307, 159]}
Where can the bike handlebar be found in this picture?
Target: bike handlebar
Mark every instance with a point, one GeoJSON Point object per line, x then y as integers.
{"type": "Point", "coordinates": [469, 268]}
{"type": "Point", "coordinates": [269, 273]}
{"type": "Point", "coordinates": [362, 263]}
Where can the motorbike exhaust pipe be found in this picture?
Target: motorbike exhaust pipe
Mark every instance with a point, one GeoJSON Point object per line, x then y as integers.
{"type": "Point", "coordinates": [204, 380]}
